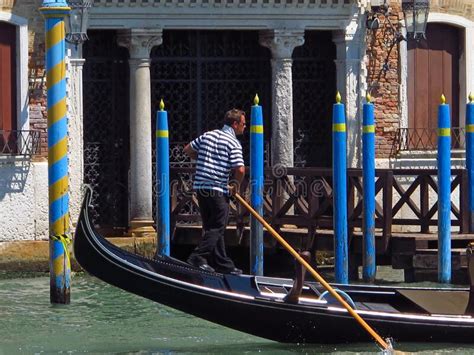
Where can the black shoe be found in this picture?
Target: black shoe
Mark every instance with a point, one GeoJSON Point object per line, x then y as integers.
{"type": "Point", "coordinates": [233, 271]}
{"type": "Point", "coordinates": [206, 267]}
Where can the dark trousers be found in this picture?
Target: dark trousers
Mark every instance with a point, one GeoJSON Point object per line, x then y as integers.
{"type": "Point", "coordinates": [214, 207]}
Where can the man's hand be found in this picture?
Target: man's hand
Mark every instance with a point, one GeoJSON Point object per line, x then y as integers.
{"type": "Point", "coordinates": [190, 152]}
{"type": "Point", "coordinates": [233, 188]}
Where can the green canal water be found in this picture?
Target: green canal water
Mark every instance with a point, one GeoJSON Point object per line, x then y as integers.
{"type": "Point", "coordinates": [102, 319]}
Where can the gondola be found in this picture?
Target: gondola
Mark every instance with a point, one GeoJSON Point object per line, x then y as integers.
{"type": "Point", "coordinates": [260, 305]}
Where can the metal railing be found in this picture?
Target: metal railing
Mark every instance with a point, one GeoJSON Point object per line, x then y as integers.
{"type": "Point", "coordinates": [17, 142]}
{"type": "Point", "coordinates": [425, 139]}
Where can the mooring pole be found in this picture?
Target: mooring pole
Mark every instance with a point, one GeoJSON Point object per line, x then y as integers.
{"type": "Point", "coordinates": [162, 182]}
{"type": "Point", "coordinates": [339, 191]}
{"type": "Point", "coordinates": [470, 157]}
{"type": "Point", "coordinates": [368, 167]}
{"type": "Point", "coordinates": [444, 192]}
{"type": "Point", "coordinates": [256, 187]}
{"type": "Point", "coordinates": [59, 263]}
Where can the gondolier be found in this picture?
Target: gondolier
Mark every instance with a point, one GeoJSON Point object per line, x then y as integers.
{"type": "Point", "coordinates": [219, 155]}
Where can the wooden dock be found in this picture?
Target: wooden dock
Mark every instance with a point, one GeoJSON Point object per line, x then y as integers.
{"type": "Point", "coordinates": [415, 253]}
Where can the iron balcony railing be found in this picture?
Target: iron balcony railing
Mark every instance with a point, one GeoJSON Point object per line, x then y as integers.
{"type": "Point", "coordinates": [425, 139]}
{"type": "Point", "coordinates": [17, 142]}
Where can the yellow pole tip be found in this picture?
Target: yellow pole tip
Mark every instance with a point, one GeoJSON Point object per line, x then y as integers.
{"type": "Point", "coordinates": [256, 100]}
{"type": "Point", "coordinates": [338, 97]}
{"type": "Point", "coordinates": [368, 98]}
{"type": "Point", "coordinates": [471, 97]}
{"type": "Point", "coordinates": [162, 105]}
{"type": "Point", "coordinates": [443, 99]}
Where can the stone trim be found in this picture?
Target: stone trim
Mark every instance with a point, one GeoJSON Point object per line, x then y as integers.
{"type": "Point", "coordinates": [463, 8]}
{"type": "Point", "coordinates": [226, 3]}
{"type": "Point", "coordinates": [21, 24]}
{"type": "Point", "coordinates": [223, 14]}
{"type": "Point", "coordinates": [351, 80]}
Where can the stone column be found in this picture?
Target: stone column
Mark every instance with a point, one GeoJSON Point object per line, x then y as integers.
{"type": "Point", "coordinates": [75, 64]}
{"type": "Point", "coordinates": [349, 67]}
{"type": "Point", "coordinates": [281, 44]}
{"type": "Point", "coordinates": [139, 43]}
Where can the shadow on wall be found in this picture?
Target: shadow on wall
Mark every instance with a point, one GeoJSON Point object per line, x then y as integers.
{"type": "Point", "coordinates": [13, 175]}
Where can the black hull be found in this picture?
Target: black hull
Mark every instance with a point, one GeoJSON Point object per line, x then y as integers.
{"type": "Point", "coordinates": [238, 302]}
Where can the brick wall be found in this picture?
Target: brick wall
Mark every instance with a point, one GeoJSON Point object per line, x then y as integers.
{"type": "Point", "coordinates": [383, 78]}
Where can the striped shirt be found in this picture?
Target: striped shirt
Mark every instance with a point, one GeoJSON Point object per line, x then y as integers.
{"type": "Point", "coordinates": [219, 151]}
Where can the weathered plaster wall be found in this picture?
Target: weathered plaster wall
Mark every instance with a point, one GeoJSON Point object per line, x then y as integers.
{"type": "Point", "coordinates": [23, 200]}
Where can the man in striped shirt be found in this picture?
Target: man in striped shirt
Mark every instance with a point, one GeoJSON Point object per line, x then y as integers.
{"type": "Point", "coordinates": [218, 155]}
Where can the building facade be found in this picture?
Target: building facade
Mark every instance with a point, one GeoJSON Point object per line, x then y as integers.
{"type": "Point", "coordinates": [204, 57]}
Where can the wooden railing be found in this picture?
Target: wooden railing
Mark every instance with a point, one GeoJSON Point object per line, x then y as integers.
{"type": "Point", "coordinates": [303, 197]}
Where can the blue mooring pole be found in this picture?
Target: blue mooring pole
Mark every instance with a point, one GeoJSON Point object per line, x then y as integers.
{"type": "Point", "coordinates": [368, 166]}
{"type": "Point", "coordinates": [54, 13]}
{"type": "Point", "coordinates": [339, 191]}
{"type": "Point", "coordinates": [470, 157]}
{"type": "Point", "coordinates": [444, 192]}
{"type": "Point", "coordinates": [162, 182]}
{"type": "Point", "coordinates": [256, 187]}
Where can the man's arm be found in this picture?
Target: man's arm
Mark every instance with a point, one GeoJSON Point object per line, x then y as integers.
{"type": "Point", "coordinates": [190, 152]}
{"type": "Point", "coordinates": [238, 174]}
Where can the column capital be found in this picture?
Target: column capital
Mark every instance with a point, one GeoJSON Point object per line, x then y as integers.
{"type": "Point", "coordinates": [348, 45]}
{"type": "Point", "coordinates": [281, 42]}
{"type": "Point", "coordinates": [140, 41]}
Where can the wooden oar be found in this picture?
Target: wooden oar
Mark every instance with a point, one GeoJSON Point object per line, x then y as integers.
{"type": "Point", "coordinates": [313, 272]}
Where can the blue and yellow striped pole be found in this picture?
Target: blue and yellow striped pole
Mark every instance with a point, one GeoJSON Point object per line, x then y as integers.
{"type": "Point", "coordinates": [162, 181]}
{"type": "Point", "coordinates": [470, 157]}
{"type": "Point", "coordinates": [339, 191]}
{"type": "Point", "coordinates": [60, 266]}
{"type": "Point", "coordinates": [444, 192]}
{"type": "Point", "coordinates": [368, 170]}
{"type": "Point", "coordinates": [256, 187]}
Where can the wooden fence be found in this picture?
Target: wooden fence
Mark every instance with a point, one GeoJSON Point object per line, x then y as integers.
{"type": "Point", "coordinates": [303, 197]}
